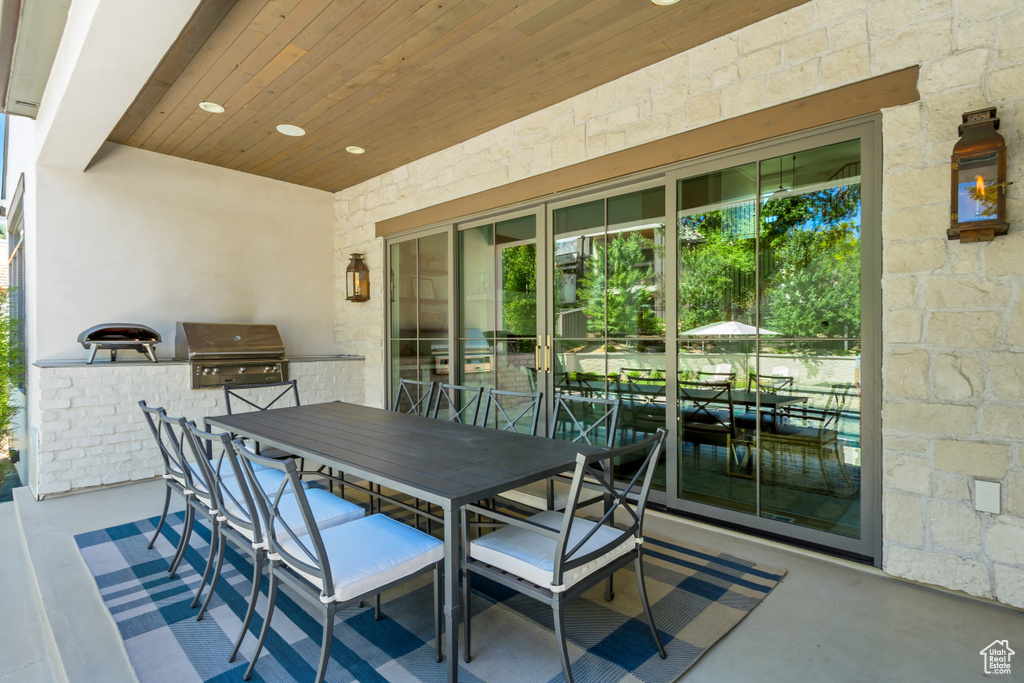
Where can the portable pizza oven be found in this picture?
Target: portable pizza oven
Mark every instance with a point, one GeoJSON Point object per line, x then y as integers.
{"type": "Point", "coordinates": [230, 353]}
{"type": "Point", "coordinates": [116, 336]}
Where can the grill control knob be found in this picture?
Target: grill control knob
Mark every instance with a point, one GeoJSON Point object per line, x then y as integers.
{"type": "Point", "coordinates": [206, 371]}
{"type": "Point", "coordinates": [267, 369]}
{"type": "Point", "coordinates": [241, 370]}
{"type": "Point", "coordinates": [216, 370]}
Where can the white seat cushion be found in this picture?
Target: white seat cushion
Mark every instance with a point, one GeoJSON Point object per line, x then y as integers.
{"type": "Point", "coordinates": [531, 556]}
{"type": "Point", "coordinates": [369, 553]}
{"type": "Point", "coordinates": [328, 510]}
{"type": "Point", "coordinates": [535, 495]}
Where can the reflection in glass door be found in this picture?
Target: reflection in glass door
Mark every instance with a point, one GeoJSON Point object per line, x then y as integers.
{"type": "Point", "coordinates": [608, 314]}
{"type": "Point", "coordinates": [498, 320]}
{"type": "Point", "coordinates": [769, 338]}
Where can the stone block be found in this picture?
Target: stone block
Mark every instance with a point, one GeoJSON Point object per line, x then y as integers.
{"type": "Point", "coordinates": [906, 373]}
{"type": "Point", "coordinates": [902, 519]}
{"type": "Point", "coordinates": [705, 108]}
{"type": "Point", "coordinates": [1005, 543]}
{"type": "Point", "coordinates": [911, 44]}
{"type": "Point", "coordinates": [1002, 421]}
{"type": "Point", "coordinates": [777, 28]}
{"type": "Point", "coordinates": [832, 10]}
{"type": "Point", "coordinates": [915, 257]}
{"type": "Point", "coordinates": [669, 98]}
{"type": "Point", "coordinates": [1007, 373]}
{"type": "Point", "coordinates": [907, 473]}
{"type": "Point", "coordinates": [727, 75]}
{"type": "Point", "coordinates": [712, 55]}
{"type": "Point", "coordinates": [899, 292]}
{"type": "Point", "coordinates": [971, 458]}
{"type": "Point", "coordinates": [943, 114]}
{"type": "Point", "coordinates": [846, 66]}
{"type": "Point", "coordinates": [1014, 484]}
{"type": "Point", "coordinates": [969, 329]}
{"type": "Point", "coordinates": [805, 45]}
{"type": "Point", "coordinates": [903, 326]}
{"type": "Point", "coordinates": [1009, 585]}
{"type": "Point", "coordinates": [892, 15]}
{"type": "Point", "coordinates": [955, 526]}
{"type": "Point", "coordinates": [1005, 256]}
{"type": "Point", "coordinates": [939, 569]}
{"type": "Point", "coordinates": [743, 97]}
{"type": "Point", "coordinates": [966, 262]}
{"type": "Point", "coordinates": [925, 221]}
{"type": "Point", "coordinates": [930, 419]}
{"type": "Point", "coordinates": [948, 292]}
{"type": "Point", "coordinates": [648, 129]}
{"type": "Point", "coordinates": [953, 71]}
{"type": "Point", "coordinates": [794, 82]}
{"type": "Point", "coordinates": [761, 61]}
{"type": "Point", "coordinates": [633, 87]}
{"type": "Point", "coordinates": [1011, 38]}
{"type": "Point", "coordinates": [958, 376]}
{"type": "Point", "coordinates": [918, 187]}
{"type": "Point", "coordinates": [952, 488]}
{"type": "Point", "coordinates": [848, 32]}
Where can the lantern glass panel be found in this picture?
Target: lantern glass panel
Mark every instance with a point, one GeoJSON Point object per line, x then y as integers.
{"type": "Point", "coordinates": [977, 188]}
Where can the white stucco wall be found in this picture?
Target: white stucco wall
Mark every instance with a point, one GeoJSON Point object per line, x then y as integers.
{"type": "Point", "coordinates": [953, 346]}
{"type": "Point", "coordinates": [149, 238]}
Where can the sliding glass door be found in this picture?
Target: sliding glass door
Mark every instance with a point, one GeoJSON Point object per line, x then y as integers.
{"type": "Point", "coordinates": [746, 324]}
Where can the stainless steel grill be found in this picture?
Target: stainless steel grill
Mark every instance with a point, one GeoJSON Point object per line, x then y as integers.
{"type": "Point", "coordinates": [231, 353]}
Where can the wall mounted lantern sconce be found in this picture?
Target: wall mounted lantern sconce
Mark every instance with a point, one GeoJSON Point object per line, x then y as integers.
{"type": "Point", "coordinates": [357, 279]}
{"type": "Point", "coordinates": [978, 198]}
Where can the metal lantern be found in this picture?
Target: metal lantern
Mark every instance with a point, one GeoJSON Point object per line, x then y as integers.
{"type": "Point", "coordinates": [357, 279]}
{"type": "Point", "coordinates": [978, 198]}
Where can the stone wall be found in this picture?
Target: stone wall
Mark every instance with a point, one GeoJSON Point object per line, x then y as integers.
{"type": "Point", "coordinates": [953, 314]}
{"type": "Point", "coordinates": [92, 432]}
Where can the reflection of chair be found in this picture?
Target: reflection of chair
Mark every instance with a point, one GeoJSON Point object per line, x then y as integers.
{"type": "Point", "coordinates": [513, 411]}
{"type": "Point", "coordinates": [461, 404]}
{"type": "Point", "coordinates": [555, 557]}
{"type": "Point", "coordinates": [707, 412]}
{"type": "Point", "coordinates": [640, 373]}
{"type": "Point", "coordinates": [414, 397]}
{"type": "Point", "coordinates": [722, 373]}
{"type": "Point", "coordinates": [766, 384]}
{"type": "Point", "coordinates": [818, 437]}
{"type": "Point", "coordinates": [589, 384]}
{"type": "Point", "coordinates": [643, 404]}
{"type": "Point", "coordinates": [769, 383]}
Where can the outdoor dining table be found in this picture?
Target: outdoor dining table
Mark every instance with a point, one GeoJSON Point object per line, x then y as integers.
{"type": "Point", "coordinates": [443, 463]}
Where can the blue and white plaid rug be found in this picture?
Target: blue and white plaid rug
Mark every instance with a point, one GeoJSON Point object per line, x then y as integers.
{"type": "Point", "coordinates": [697, 596]}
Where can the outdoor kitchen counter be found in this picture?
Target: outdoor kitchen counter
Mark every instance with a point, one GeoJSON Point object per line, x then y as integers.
{"type": "Point", "coordinates": [141, 360]}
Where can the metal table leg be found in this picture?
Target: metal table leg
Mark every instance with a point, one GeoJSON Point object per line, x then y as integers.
{"type": "Point", "coordinates": [451, 591]}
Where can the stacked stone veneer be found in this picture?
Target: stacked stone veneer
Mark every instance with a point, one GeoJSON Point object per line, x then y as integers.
{"type": "Point", "coordinates": [92, 432]}
{"type": "Point", "coordinates": [953, 314]}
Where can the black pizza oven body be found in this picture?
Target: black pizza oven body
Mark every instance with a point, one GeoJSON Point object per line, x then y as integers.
{"type": "Point", "coordinates": [221, 354]}
{"type": "Point", "coordinates": [116, 336]}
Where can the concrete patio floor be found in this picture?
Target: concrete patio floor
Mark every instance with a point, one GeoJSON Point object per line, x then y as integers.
{"type": "Point", "coordinates": [828, 620]}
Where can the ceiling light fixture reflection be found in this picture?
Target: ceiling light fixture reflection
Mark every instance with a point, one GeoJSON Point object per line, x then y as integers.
{"type": "Point", "coordinates": [352, 149]}
{"type": "Point", "coordinates": [288, 129]}
{"type": "Point", "coordinates": [211, 107]}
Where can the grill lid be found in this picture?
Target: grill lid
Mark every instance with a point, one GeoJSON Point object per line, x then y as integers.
{"type": "Point", "coordinates": [199, 341]}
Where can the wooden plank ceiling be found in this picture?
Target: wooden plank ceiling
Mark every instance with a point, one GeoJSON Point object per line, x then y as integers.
{"type": "Point", "coordinates": [401, 78]}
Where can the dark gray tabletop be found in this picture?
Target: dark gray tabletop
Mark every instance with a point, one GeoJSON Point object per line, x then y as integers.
{"type": "Point", "coordinates": [436, 461]}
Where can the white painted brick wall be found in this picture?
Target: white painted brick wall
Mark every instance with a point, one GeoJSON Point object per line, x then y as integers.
{"type": "Point", "coordinates": [92, 431]}
{"type": "Point", "coordinates": [953, 313]}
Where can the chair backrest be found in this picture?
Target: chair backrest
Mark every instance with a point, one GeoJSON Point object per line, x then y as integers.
{"type": "Point", "coordinates": [590, 384]}
{"type": "Point", "coordinates": [769, 383]}
{"type": "Point", "coordinates": [512, 410]}
{"type": "Point", "coordinates": [710, 404]}
{"type": "Point", "coordinates": [640, 373]}
{"type": "Point", "coordinates": [633, 502]}
{"type": "Point", "coordinates": [587, 418]}
{"type": "Point", "coordinates": [302, 552]}
{"type": "Point", "coordinates": [168, 442]}
{"type": "Point", "coordinates": [643, 391]}
{"type": "Point", "coordinates": [414, 397]}
{"type": "Point", "coordinates": [216, 456]}
{"type": "Point", "coordinates": [722, 373]}
{"type": "Point", "coordinates": [828, 417]}
{"type": "Point", "coordinates": [262, 396]}
{"type": "Point", "coordinates": [460, 403]}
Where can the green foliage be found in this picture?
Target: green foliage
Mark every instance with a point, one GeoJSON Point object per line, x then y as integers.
{"type": "Point", "coordinates": [612, 270]}
{"type": "Point", "coordinates": [519, 298]}
{"type": "Point", "coordinates": [716, 271]}
{"type": "Point", "coordinates": [10, 372]}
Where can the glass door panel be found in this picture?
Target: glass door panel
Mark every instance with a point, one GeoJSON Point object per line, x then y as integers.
{"type": "Point", "coordinates": [717, 265]}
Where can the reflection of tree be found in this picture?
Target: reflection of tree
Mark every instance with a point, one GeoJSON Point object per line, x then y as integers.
{"type": "Point", "coordinates": [810, 265]}
{"type": "Point", "coordinates": [983, 193]}
{"type": "Point", "coordinates": [519, 297]}
{"type": "Point", "coordinates": [631, 287]}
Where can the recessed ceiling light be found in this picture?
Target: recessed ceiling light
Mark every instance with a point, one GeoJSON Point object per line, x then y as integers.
{"type": "Point", "coordinates": [664, 2]}
{"type": "Point", "coordinates": [211, 107]}
{"type": "Point", "coordinates": [352, 149]}
{"type": "Point", "coordinates": [288, 129]}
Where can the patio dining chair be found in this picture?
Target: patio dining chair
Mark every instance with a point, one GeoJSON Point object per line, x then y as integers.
{"type": "Point", "coordinates": [459, 403]}
{"type": "Point", "coordinates": [707, 410]}
{"type": "Point", "coordinates": [555, 557]}
{"type": "Point", "coordinates": [513, 411]}
{"type": "Point", "coordinates": [225, 491]}
{"type": "Point", "coordinates": [335, 567]}
{"type": "Point", "coordinates": [177, 476]}
{"type": "Point", "coordinates": [414, 397]}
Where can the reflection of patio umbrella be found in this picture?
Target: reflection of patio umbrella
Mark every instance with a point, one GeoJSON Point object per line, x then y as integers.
{"type": "Point", "coordinates": [726, 328]}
